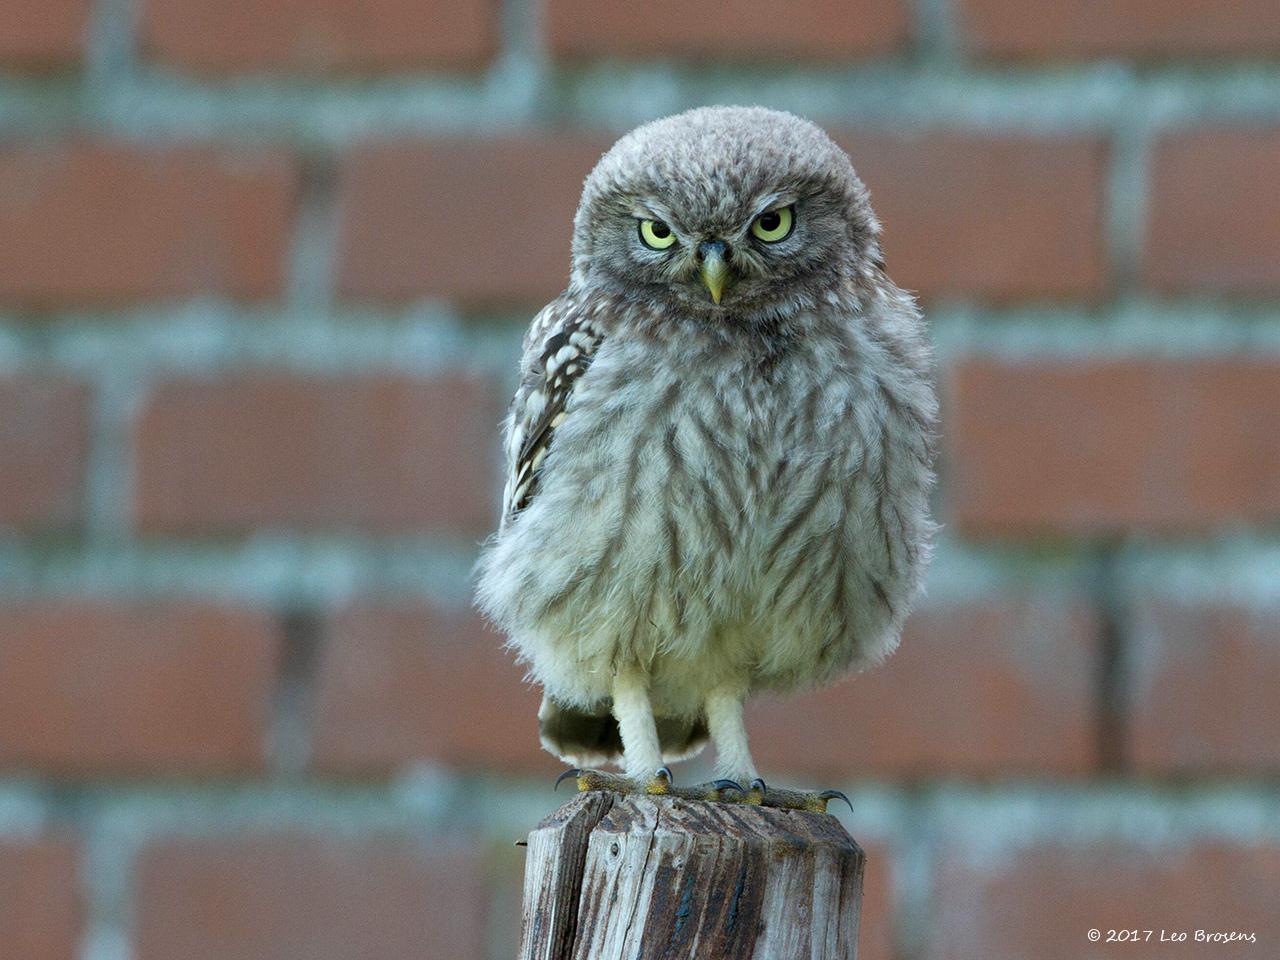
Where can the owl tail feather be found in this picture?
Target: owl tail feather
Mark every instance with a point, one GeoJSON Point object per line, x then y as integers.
{"type": "Point", "coordinates": [588, 738]}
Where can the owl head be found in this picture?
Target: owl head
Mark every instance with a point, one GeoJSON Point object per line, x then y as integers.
{"type": "Point", "coordinates": [725, 214]}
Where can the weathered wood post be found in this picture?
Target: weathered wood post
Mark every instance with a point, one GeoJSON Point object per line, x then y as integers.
{"type": "Point", "coordinates": [612, 877]}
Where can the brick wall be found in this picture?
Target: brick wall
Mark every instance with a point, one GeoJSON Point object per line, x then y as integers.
{"type": "Point", "coordinates": [254, 347]}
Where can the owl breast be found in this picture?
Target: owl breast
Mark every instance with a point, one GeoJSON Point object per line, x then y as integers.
{"type": "Point", "coordinates": [746, 522]}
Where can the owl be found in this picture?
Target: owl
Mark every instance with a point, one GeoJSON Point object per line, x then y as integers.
{"type": "Point", "coordinates": [720, 452]}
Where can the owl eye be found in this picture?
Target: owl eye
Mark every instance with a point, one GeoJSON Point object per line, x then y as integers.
{"type": "Point", "coordinates": [656, 235]}
{"type": "Point", "coordinates": [774, 225]}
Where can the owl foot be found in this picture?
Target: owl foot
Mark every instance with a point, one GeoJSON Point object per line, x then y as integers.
{"type": "Point", "coordinates": [660, 785]}
{"type": "Point", "coordinates": [657, 785]}
{"type": "Point", "coordinates": [762, 795]}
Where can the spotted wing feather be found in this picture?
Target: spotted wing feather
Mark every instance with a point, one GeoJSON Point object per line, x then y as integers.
{"type": "Point", "coordinates": [563, 356]}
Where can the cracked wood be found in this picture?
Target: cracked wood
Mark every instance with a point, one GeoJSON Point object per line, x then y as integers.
{"type": "Point", "coordinates": [613, 877]}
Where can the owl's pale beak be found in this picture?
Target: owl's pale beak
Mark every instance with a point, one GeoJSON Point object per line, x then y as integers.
{"type": "Point", "coordinates": [715, 269]}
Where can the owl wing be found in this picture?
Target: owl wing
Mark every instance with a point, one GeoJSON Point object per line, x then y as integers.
{"type": "Point", "coordinates": [558, 349]}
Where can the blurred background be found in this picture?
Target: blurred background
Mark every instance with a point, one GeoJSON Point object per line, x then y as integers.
{"type": "Point", "coordinates": [264, 270]}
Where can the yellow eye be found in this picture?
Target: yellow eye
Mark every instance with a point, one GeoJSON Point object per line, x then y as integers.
{"type": "Point", "coordinates": [774, 225]}
{"type": "Point", "coordinates": [656, 234]}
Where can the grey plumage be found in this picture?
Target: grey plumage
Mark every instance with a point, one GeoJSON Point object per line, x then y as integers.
{"type": "Point", "coordinates": [710, 499]}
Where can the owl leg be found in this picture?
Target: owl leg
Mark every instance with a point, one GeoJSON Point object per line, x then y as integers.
{"type": "Point", "coordinates": [641, 750]}
{"type": "Point", "coordinates": [729, 733]}
{"type": "Point", "coordinates": [641, 747]}
{"type": "Point", "coordinates": [733, 759]}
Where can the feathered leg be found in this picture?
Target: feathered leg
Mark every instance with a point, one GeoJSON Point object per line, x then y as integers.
{"type": "Point", "coordinates": [729, 734]}
{"type": "Point", "coordinates": [641, 752]}
{"type": "Point", "coordinates": [641, 748]}
{"type": "Point", "coordinates": [733, 758]}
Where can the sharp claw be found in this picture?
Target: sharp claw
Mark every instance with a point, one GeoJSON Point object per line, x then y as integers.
{"type": "Point", "coordinates": [828, 795]}
{"type": "Point", "coordinates": [727, 785]}
{"type": "Point", "coordinates": [758, 784]}
{"type": "Point", "coordinates": [565, 776]}
{"type": "Point", "coordinates": [660, 785]}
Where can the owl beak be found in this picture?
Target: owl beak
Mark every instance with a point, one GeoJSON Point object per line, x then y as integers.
{"type": "Point", "coordinates": [715, 271]}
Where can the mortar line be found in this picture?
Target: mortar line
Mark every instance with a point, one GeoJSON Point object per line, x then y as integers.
{"type": "Point", "coordinates": [936, 32]}
{"type": "Point", "coordinates": [290, 727]}
{"type": "Point", "coordinates": [111, 44]}
{"type": "Point", "coordinates": [312, 264]}
{"type": "Point", "coordinates": [1112, 676]}
{"type": "Point", "coordinates": [1126, 198]}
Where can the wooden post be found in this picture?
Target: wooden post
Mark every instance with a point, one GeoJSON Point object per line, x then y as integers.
{"type": "Point", "coordinates": [613, 877]}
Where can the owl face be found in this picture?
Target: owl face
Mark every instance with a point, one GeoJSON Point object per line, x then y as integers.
{"type": "Point", "coordinates": [725, 214]}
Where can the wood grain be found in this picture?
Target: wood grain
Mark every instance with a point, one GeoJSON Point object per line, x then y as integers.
{"type": "Point", "coordinates": [614, 877]}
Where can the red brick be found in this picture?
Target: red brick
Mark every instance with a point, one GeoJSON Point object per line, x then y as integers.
{"type": "Point", "coordinates": [106, 224]}
{"type": "Point", "coordinates": [739, 29]}
{"type": "Point", "coordinates": [875, 926]}
{"type": "Point", "coordinates": [1000, 218]}
{"type": "Point", "coordinates": [1202, 698]}
{"type": "Point", "coordinates": [992, 217]}
{"type": "Point", "coordinates": [506, 897]}
{"type": "Point", "coordinates": [1042, 901]}
{"type": "Point", "coordinates": [1155, 29]}
{"type": "Point", "coordinates": [42, 34]}
{"type": "Point", "coordinates": [991, 689]}
{"type": "Point", "coordinates": [1020, 700]}
{"type": "Point", "coordinates": [223, 36]}
{"type": "Point", "coordinates": [297, 898]}
{"type": "Point", "coordinates": [40, 908]}
{"type": "Point", "coordinates": [1214, 222]}
{"type": "Point", "coordinates": [90, 689]}
{"type": "Point", "coordinates": [44, 440]}
{"type": "Point", "coordinates": [461, 220]}
{"type": "Point", "coordinates": [1090, 447]}
{"type": "Point", "coordinates": [389, 454]}
{"type": "Point", "coordinates": [405, 684]}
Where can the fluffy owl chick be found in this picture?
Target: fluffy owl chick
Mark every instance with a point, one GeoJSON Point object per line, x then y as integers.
{"type": "Point", "coordinates": [720, 450]}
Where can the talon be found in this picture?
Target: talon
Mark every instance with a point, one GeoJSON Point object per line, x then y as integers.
{"type": "Point", "coordinates": [827, 795]}
{"type": "Point", "coordinates": [728, 785]}
{"type": "Point", "coordinates": [574, 772]}
{"type": "Point", "coordinates": [756, 792]}
{"type": "Point", "coordinates": [660, 785]}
